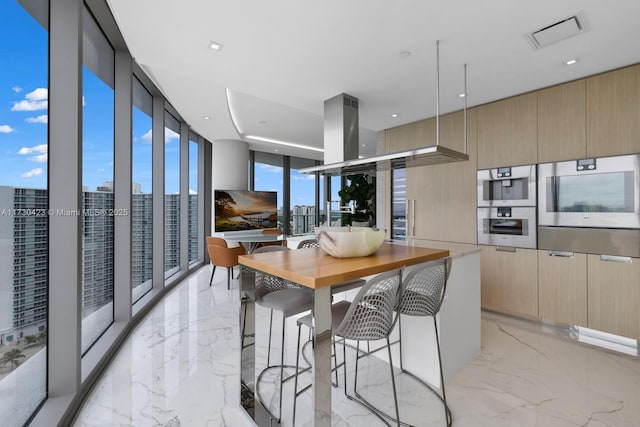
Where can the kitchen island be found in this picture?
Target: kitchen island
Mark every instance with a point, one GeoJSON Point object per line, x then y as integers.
{"type": "Point", "coordinates": [317, 271]}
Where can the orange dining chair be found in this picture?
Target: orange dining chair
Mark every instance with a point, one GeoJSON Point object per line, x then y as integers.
{"type": "Point", "coordinates": [222, 256]}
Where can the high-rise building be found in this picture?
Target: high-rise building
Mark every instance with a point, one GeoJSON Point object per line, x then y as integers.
{"type": "Point", "coordinates": [97, 248]}
{"type": "Point", "coordinates": [304, 219]}
{"type": "Point", "coordinates": [23, 262]}
{"type": "Point", "coordinates": [141, 237]}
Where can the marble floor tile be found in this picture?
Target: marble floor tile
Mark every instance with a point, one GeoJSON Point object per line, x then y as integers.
{"type": "Point", "coordinates": [179, 367]}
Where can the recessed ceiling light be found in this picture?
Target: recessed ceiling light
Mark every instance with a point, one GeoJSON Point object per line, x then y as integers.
{"type": "Point", "coordinates": [462, 95]}
{"type": "Point", "coordinates": [394, 115]}
{"type": "Point", "coordinates": [364, 145]}
{"type": "Point", "coordinates": [571, 61]}
{"type": "Point", "coordinates": [215, 45]}
{"type": "Point", "coordinates": [405, 54]}
{"type": "Point", "coordinates": [276, 150]}
{"type": "Point", "coordinates": [206, 117]}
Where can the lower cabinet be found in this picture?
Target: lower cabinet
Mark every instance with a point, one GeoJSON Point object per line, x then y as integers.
{"type": "Point", "coordinates": [614, 295]}
{"type": "Point", "coordinates": [562, 287]}
{"type": "Point", "coordinates": [510, 280]}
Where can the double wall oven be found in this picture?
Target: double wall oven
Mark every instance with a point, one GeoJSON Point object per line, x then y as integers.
{"type": "Point", "coordinates": [507, 206]}
{"type": "Point", "coordinates": [590, 205]}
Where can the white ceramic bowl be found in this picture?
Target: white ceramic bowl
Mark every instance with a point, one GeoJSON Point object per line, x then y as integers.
{"type": "Point", "coordinates": [348, 242]}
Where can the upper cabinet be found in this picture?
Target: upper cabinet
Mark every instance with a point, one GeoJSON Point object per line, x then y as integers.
{"type": "Point", "coordinates": [508, 132]}
{"type": "Point", "coordinates": [423, 133]}
{"type": "Point", "coordinates": [561, 122]}
{"type": "Point", "coordinates": [613, 112]}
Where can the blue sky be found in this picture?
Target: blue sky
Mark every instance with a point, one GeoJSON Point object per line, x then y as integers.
{"type": "Point", "coordinates": [23, 123]}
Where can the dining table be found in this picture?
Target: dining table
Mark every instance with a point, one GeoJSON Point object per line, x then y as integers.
{"type": "Point", "coordinates": [316, 271]}
{"type": "Point", "coordinates": [252, 241]}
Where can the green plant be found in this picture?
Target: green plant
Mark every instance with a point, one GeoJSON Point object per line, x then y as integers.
{"type": "Point", "coordinates": [361, 192]}
{"type": "Point", "coordinates": [12, 357]}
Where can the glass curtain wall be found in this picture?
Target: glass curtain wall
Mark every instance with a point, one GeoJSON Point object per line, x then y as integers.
{"type": "Point", "coordinates": [302, 198]}
{"type": "Point", "coordinates": [142, 196]}
{"type": "Point", "coordinates": [268, 176]}
{"type": "Point", "coordinates": [171, 194]}
{"type": "Point", "coordinates": [97, 183]}
{"type": "Point", "coordinates": [23, 210]}
{"type": "Point", "coordinates": [193, 198]}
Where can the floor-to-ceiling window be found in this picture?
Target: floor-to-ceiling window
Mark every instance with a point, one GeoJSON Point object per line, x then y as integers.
{"type": "Point", "coordinates": [171, 194]}
{"type": "Point", "coordinates": [193, 197]}
{"type": "Point", "coordinates": [303, 197]}
{"type": "Point", "coordinates": [97, 182]}
{"type": "Point", "coordinates": [268, 176]}
{"type": "Point", "coordinates": [142, 196]}
{"type": "Point", "coordinates": [23, 210]}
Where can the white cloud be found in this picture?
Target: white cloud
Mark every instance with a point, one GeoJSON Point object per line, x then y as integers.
{"type": "Point", "coordinates": [270, 168]}
{"type": "Point", "coordinates": [147, 136]}
{"type": "Point", "coordinates": [40, 94]}
{"type": "Point", "coordinates": [41, 158]}
{"type": "Point", "coordinates": [170, 135]}
{"type": "Point", "coordinates": [303, 177]}
{"type": "Point", "coordinates": [192, 191]}
{"type": "Point", "coordinates": [42, 148]}
{"type": "Point", "coordinates": [6, 129]}
{"type": "Point", "coordinates": [32, 173]}
{"type": "Point", "coordinates": [43, 118]}
{"type": "Point", "coordinates": [16, 89]}
{"type": "Point", "coordinates": [35, 100]}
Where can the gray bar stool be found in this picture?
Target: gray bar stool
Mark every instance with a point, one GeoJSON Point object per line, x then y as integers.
{"type": "Point", "coordinates": [275, 294]}
{"type": "Point", "coordinates": [369, 317]}
{"type": "Point", "coordinates": [423, 291]}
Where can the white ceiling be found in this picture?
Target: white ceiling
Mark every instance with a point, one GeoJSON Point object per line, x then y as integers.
{"type": "Point", "coordinates": [281, 59]}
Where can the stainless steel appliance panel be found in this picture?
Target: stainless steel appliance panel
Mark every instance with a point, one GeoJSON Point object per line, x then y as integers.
{"type": "Point", "coordinates": [507, 226]}
{"type": "Point", "coordinates": [599, 241]}
{"type": "Point", "coordinates": [600, 192]}
{"type": "Point", "coordinates": [507, 186]}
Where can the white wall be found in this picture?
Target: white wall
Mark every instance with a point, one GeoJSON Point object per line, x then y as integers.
{"type": "Point", "coordinates": [230, 165]}
{"type": "Point", "coordinates": [230, 168]}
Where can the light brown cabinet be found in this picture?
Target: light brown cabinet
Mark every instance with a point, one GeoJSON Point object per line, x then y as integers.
{"type": "Point", "coordinates": [614, 296]}
{"type": "Point", "coordinates": [423, 133]}
{"type": "Point", "coordinates": [510, 281]}
{"type": "Point", "coordinates": [508, 132]}
{"type": "Point", "coordinates": [561, 122]}
{"type": "Point", "coordinates": [562, 287]}
{"type": "Point", "coordinates": [442, 198]}
{"type": "Point", "coordinates": [613, 112]}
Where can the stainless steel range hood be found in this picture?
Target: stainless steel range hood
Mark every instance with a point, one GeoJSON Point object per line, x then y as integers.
{"type": "Point", "coordinates": [424, 156]}
{"type": "Point", "coordinates": [341, 143]}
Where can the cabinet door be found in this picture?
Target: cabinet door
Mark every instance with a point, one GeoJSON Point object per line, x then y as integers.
{"type": "Point", "coordinates": [442, 198]}
{"type": "Point", "coordinates": [507, 132]}
{"type": "Point", "coordinates": [423, 133]}
{"type": "Point", "coordinates": [561, 122]}
{"type": "Point", "coordinates": [613, 112]}
{"type": "Point", "coordinates": [614, 296]}
{"type": "Point", "coordinates": [510, 281]}
{"type": "Point", "coordinates": [562, 286]}
{"type": "Point", "coordinates": [412, 135]}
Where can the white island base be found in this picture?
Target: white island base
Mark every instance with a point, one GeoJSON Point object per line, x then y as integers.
{"type": "Point", "coordinates": [458, 324]}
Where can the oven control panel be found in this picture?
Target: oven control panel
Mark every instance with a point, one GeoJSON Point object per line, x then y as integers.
{"type": "Point", "coordinates": [585, 165]}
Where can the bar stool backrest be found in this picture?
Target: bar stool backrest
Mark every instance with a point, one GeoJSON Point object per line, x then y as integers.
{"type": "Point", "coordinates": [424, 288]}
{"type": "Point", "coordinates": [265, 284]}
{"type": "Point", "coordinates": [371, 314]}
{"type": "Point", "coordinates": [309, 243]}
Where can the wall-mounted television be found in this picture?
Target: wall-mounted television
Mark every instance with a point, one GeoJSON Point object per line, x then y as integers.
{"type": "Point", "coordinates": [237, 210]}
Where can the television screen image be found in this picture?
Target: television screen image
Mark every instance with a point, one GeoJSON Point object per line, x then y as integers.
{"type": "Point", "coordinates": [237, 210]}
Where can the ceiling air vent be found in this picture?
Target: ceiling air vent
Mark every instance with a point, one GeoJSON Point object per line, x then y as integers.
{"type": "Point", "coordinates": [557, 32]}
